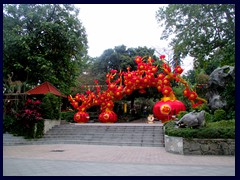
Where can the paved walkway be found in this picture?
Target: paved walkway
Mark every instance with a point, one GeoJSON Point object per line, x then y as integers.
{"type": "Point", "coordinates": [97, 160]}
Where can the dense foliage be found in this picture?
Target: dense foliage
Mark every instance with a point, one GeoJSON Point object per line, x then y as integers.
{"type": "Point", "coordinates": [45, 42]}
{"type": "Point", "coordinates": [219, 114]}
{"type": "Point", "coordinates": [68, 116]}
{"type": "Point", "coordinates": [203, 31]}
{"type": "Point", "coordinates": [220, 129]}
{"type": "Point", "coordinates": [28, 120]}
{"type": "Point", "coordinates": [51, 106]}
{"type": "Point", "coordinates": [118, 58]}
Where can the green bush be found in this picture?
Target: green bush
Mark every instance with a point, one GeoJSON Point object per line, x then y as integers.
{"type": "Point", "coordinates": [230, 115]}
{"type": "Point", "coordinates": [181, 114]}
{"type": "Point", "coordinates": [50, 106]}
{"type": "Point", "coordinates": [219, 115]}
{"type": "Point", "coordinates": [208, 117]}
{"type": "Point", "coordinates": [40, 129]}
{"type": "Point", "coordinates": [68, 116]}
{"type": "Point", "coordinates": [8, 123]}
{"type": "Point", "coordinates": [223, 123]}
{"type": "Point", "coordinates": [214, 130]}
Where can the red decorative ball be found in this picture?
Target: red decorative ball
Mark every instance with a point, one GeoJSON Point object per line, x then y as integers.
{"type": "Point", "coordinates": [81, 117]}
{"type": "Point", "coordinates": [107, 117]}
{"type": "Point", "coordinates": [165, 110]}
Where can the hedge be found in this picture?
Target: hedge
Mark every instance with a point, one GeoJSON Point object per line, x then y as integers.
{"type": "Point", "coordinates": [214, 130]}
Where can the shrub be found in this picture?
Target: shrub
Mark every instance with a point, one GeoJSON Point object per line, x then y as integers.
{"type": "Point", "coordinates": [28, 118]}
{"type": "Point", "coordinates": [202, 78]}
{"type": "Point", "coordinates": [40, 129]}
{"type": "Point", "coordinates": [231, 115]}
{"type": "Point", "coordinates": [214, 130]}
{"type": "Point", "coordinates": [68, 116]}
{"type": "Point", "coordinates": [50, 106]}
{"type": "Point", "coordinates": [223, 123]}
{"type": "Point", "coordinates": [208, 117]}
{"type": "Point", "coordinates": [219, 115]}
{"type": "Point", "coordinates": [181, 114]}
{"type": "Point", "coordinates": [8, 123]}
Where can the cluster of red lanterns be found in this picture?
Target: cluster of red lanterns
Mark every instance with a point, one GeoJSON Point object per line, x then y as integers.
{"type": "Point", "coordinates": [124, 83]}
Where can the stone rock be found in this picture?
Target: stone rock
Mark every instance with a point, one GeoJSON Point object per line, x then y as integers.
{"type": "Point", "coordinates": [192, 119]}
{"type": "Point", "coordinates": [216, 102]}
{"type": "Point", "coordinates": [194, 146]}
{"type": "Point", "coordinates": [220, 76]}
{"type": "Point", "coordinates": [205, 147]}
{"type": "Point", "coordinates": [217, 82]}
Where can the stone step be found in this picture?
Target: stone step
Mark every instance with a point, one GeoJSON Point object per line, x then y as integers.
{"type": "Point", "coordinates": [87, 143]}
{"type": "Point", "coordinates": [121, 135]}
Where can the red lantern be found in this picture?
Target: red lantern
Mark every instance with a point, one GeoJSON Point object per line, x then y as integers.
{"type": "Point", "coordinates": [138, 59]}
{"type": "Point", "coordinates": [166, 68]}
{"type": "Point", "coordinates": [108, 117]}
{"type": "Point", "coordinates": [141, 66]}
{"type": "Point", "coordinates": [78, 97]}
{"type": "Point", "coordinates": [165, 110]}
{"type": "Point", "coordinates": [96, 102]}
{"type": "Point", "coordinates": [166, 91]}
{"type": "Point", "coordinates": [192, 96]}
{"type": "Point", "coordinates": [112, 86]}
{"type": "Point", "coordinates": [109, 104]}
{"type": "Point", "coordinates": [74, 104]}
{"type": "Point", "coordinates": [159, 88]}
{"type": "Point", "coordinates": [162, 57]}
{"type": "Point", "coordinates": [186, 92]}
{"type": "Point", "coordinates": [118, 94]}
{"type": "Point", "coordinates": [178, 70]}
{"type": "Point", "coordinates": [161, 76]}
{"type": "Point", "coordinates": [166, 81]}
{"type": "Point", "coordinates": [81, 117]}
{"type": "Point", "coordinates": [128, 91]}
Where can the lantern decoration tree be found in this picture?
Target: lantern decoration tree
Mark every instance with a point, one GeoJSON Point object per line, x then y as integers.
{"type": "Point", "coordinates": [124, 83]}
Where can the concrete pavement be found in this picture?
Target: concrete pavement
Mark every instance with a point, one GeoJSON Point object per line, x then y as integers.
{"type": "Point", "coordinates": [99, 160]}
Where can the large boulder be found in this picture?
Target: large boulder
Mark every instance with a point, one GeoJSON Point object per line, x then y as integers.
{"type": "Point", "coordinates": [193, 119]}
{"type": "Point", "coordinates": [220, 76]}
{"type": "Point", "coordinates": [216, 84]}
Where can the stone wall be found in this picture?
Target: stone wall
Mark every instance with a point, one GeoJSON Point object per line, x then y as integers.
{"type": "Point", "coordinates": [49, 124]}
{"type": "Point", "coordinates": [195, 146]}
{"type": "Point", "coordinates": [209, 146]}
{"type": "Point", "coordinates": [173, 144]}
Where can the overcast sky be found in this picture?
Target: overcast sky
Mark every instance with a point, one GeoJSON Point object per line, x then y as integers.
{"type": "Point", "coordinates": [132, 25]}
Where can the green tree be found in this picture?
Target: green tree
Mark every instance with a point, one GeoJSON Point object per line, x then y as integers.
{"type": "Point", "coordinates": [203, 31]}
{"type": "Point", "coordinates": [85, 78]}
{"type": "Point", "coordinates": [44, 42]}
{"type": "Point", "coordinates": [119, 58]}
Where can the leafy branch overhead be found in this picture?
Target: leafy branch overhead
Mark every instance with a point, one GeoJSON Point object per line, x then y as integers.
{"type": "Point", "coordinates": [44, 42]}
{"type": "Point", "coordinates": [203, 31]}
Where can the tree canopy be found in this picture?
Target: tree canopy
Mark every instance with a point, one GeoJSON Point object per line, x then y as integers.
{"type": "Point", "coordinates": [45, 42]}
{"type": "Point", "coordinates": [119, 58]}
{"type": "Point", "coordinates": [203, 31]}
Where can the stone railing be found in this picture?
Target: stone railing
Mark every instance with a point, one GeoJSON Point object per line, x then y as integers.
{"type": "Point", "coordinates": [49, 124]}
{"type": "Point", "coordinates": [196, 146]}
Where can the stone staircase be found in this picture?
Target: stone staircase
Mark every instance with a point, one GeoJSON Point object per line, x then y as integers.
{"type": "Point", "coordinates": [119, 134]}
